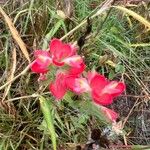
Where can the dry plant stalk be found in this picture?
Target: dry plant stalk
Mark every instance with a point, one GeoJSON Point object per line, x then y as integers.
{"type": "Point", "coordinates": [134, 15]}
{"type": "Point", "coordinates": [16, 77]}
{"type": "Point", "coordinates": [8, 106]}
{"type": "Point", "coordinates": [15, 34]}
{"type": "Point", "coordinates": [11, 76]}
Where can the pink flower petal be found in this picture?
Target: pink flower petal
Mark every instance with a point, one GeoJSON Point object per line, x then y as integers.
{"type": "Point", "coordinates": [77, 70]}
{"type": "Point", "coordinates": [98, 82]}
{"type": "Point", "coordinates": [77, 85]}
{"type": "Point", "coordinates": [102, 99]}
{"type": "Point", "coordinates": [70, 82]}
{"type": "Point", "coordinates": [60, 51]}
{"type": "Point", "coordinates": [42, 61]}
{"type": "Point", "coordinates": [42, 77]}
{"type": "Point", "coordinates": [37, 68]}
{"type": "Point", "coordinates": [58, 87]}
{"type": "Point", "coordinates": [74, 61]}
{"type": "Point", "coordinates": [55, 46]}
{"type": "Point", "coordinates": [114, 88]}
{"type": "Point", "coordinates": [37, 53]}
{"type": "Point", "coordinates": [42, 57]}
{"type": "Point", "coordinates": [66, 51]}
{"type": "Point", "coordinates": [110, 114]}
{"type": "Point", "coordinates": [74, 49]}
{"type": "Point", "coordinates": [120, 87]}
{"type": "Point", "coordinates": [81, 86]}
{"type": "Point", "coordinates": [103, 91]}
{"type": "Point", "coordinates": [55, 62]}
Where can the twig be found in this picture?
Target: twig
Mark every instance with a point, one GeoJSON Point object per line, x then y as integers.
{"type": "Point", "coordinates": [100, 11]}
{"type": "Point", "coordinates": [16, 77]}
{"type": "Point", "coordinates": [28, 96]}
{"type": "Point", "coordinates": [125, 120]}
{"type": "Point", "coordinates": [126, 147]}
{"type": "Point", "coordinates": [37, 95]}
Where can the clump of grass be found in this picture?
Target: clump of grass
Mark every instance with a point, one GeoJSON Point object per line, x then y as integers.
{"type": "Point", "coordinates": [126, 53]}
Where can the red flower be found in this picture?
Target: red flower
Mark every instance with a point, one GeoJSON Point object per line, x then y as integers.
{"type": "Point", "coordinates": [60, 51]}
{"type": "Point", "coordinates": [42, 61]}
{"type": "Point", "coordinates": [64, 82]}
{"type": "Point", "coordinates": [62, 54]}
{"type": "Point", "coordinates": [104, 91]}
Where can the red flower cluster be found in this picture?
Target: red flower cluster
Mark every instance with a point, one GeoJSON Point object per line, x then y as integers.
{"type": "Point", "coordinates": [70, 77]}
{"type": "Point", "coordinates": [59, 54]}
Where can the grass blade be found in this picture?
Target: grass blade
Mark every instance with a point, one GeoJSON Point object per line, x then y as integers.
{"type": "Point", "coordinates": [134, 15]}
{"type": "Point", "coordinates": [13, 69]}
{"type": "Point", "coordinates": [140, 45]}
{"type": "Point", "coordinates": [46, 109]}
{"type": "Point", "coordinates": [51, 34]}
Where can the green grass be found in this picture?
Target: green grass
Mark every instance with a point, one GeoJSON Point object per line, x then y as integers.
{"type": "Point", "coordinates": [22, 125]}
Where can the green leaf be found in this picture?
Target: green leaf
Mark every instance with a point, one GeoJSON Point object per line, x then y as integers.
{"type": "Point", "coordinates": [89, 108]}
{"type": "Point", "coordinates": [111, 75]}
{"type": "Point", "coordinates": [47, 112]}
{"type": "Point", "coordinates": [51, 33]}
{"type": "Point", "coordinates": [140, 147]}
{"type": "Point", "coordinates": [86, 107]}
{"type": "Point", "coordinates": [119, 68]}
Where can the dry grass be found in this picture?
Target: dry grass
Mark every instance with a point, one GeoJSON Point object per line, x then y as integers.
{"type": "Point", "coordinates": [123, 38]}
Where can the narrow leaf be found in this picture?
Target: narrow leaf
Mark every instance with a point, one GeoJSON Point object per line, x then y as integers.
{"type": "Point", "coordinates": [11, 76]}
{"type": "Point", "coordinates": [51, 34]}
{"type": "Point", "coordinates": [140, 45]}
{"type": "Point", "coordinates": [134, 15]}
{"type": "Point", "coordinates": [46, 110]}
{"type": "Point", "coordinates": [140, 147]}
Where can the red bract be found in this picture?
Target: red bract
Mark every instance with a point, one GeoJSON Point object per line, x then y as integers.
{"type": "Point", "coordinates": [62, 54]}
{"type": "Point", "coordinates": [58, 87]}
{"type": "Point", "coordinates": [76, 84]}
{"type": "Point", "coordinates": [75, 70]}
{"type": "Point", "coordinates": [110, 114]}
{"type": "Point", "coordinates": [64, 82]}
{"type": "Point", "coordinates": [60, 51]}
{"type": "Point", "coordinates": [42, 61]}
{"type": "Point", "coordinates": [104, 91]}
